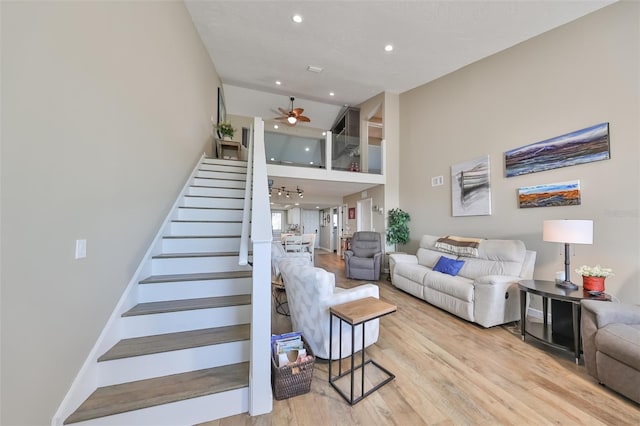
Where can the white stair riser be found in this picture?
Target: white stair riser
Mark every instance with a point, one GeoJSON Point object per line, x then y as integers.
{"type": "Point", "coordinates": [206, 228]}
{"type": "Point", "coordinates": [209, 214]}
{"type": "Point", "coordinates": [220, 183]}
{"type": "Point", "coordinates": [216, 192]}
{"type": "Point", "coordinates": [171, 322]}
{"type": "Point", "coordinates": [180, 290]}
{"type": "Point", "coordinates": [240, 177]}
{"type": "Point", "coordinates": [224, 168]}
{"type": "Point", "coordinates": [195, 265]}
{"type": "Point", "coordinates": [187, 412]}
{"type": "Point", "coordinates": [200, 245]}
{"type": "Point", "coordinates": [220, 203]}
{"type": "Point", "coordinates": [223, 161]}
{"type": "Point", "coordinates": [163, 364]}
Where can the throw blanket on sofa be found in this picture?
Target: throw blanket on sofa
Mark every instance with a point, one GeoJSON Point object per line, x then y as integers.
{"type": "Point", "coordinates": [460, 246]}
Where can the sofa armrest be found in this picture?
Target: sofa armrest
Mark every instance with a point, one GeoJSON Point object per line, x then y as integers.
{"type": "Point", "coordinates": [403, 257]}
{"type": "Point", "coordinates": [608, 313]}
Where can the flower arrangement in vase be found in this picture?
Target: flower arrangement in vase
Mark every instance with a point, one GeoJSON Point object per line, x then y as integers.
{"type": "Point", "coordinates": [225, 128]}
{"type": "Point", "coordinates": [593, 277]}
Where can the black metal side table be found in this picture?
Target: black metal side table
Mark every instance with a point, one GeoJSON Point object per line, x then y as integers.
{"type": "Point", "coordinates": [564, 331]}
{"type": "Point", "coordinates": [355, 313]}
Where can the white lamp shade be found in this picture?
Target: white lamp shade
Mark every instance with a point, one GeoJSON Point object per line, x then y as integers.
{"type": "Point", "coordinates": [292, 120]}
{"type": "Point", "coordinates": [568, 231]}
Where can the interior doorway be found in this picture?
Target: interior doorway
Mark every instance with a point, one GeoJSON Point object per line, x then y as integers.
{"type": "Point", "coordinates": [364, 219]}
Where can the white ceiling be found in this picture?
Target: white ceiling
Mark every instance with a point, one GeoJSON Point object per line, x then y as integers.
{"type": "Point", "coordinates": [255, 43]}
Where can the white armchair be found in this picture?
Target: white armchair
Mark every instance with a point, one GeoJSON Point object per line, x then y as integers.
{"type": "Point", "coordinates": [310, 293]}
{"type": "Point", "coordinates": [278, 253]}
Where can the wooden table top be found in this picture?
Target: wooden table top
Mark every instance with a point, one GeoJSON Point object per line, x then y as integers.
{"type": "Point", "coordinates": [361, 310]}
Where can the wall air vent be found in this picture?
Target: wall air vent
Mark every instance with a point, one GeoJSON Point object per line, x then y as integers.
{"type": "Point", "coordinates": [311, 68]}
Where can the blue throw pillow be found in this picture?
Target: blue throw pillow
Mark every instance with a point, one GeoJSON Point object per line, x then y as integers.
{"type": "Point", "coordinates": [448, 266]}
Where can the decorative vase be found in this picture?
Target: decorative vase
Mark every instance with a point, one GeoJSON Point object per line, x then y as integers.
{"type": "Point", "coordinates": [593, 283]}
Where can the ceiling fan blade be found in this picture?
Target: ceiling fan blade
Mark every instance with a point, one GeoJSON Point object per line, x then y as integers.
{"type": "Point", "coordinates": [297, 111]}
{"type": "Point", "coordinates": [280, 118]}
{"type": "Point", "coordinates": [283, 111]}
{"type": "Point", "coordinates": [303, 118]}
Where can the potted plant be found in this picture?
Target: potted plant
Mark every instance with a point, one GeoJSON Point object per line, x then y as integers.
{"type": "Point", "coordinates": [225, 129]}
{"type": "Point", "coordinates": [593, 277]}
{"type": "Point", "coordinates": [398, 230]}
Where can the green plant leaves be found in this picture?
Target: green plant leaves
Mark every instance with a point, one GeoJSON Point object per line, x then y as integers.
{"type": "Point", "coordinates": [398, 230]}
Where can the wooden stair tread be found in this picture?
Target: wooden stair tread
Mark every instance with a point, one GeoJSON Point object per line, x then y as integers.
{"type": "Point", "coordinates": [206, 221]}
{"type": "Point", "coordinates": [211, 196]}
{"type": "Point", "coordinates": [200, 236]}
{"type": "Point", "coordinates": [146, 345]}
{"type": "Point", "coordinates": [196, 254]}
{"type": "Point", "coordinates": [110, 400]}
{"type": "Point", "coordinates": [210, 208]}
{"type": "Point", "coordinates": [196, 277]}
{"type": "Point", "coordinates": [187, 304]}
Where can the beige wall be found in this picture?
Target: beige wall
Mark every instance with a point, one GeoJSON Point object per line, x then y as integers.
{"type": "Point", "coordinates": [376, 194]}
{"type": "Point", "coordinates": [580, 74]}
{"type": "Point", "coordinates": [106, 108]}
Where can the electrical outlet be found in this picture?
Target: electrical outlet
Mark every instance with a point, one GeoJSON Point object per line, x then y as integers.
{"type": "Point", "coordinates": [437, 181]}
{"type": "Point", "coordinates": [81, 249]}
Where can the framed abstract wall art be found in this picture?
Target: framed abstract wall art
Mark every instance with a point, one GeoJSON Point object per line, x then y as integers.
{"type": "Point", "coordinates": [550, 195]}
{"type": "Point", "coordinates": [471, 188]}
{"type": "Point", "coordinates": [579, 147]}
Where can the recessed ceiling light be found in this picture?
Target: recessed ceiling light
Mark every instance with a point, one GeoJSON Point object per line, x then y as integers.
{"type": "Point", "coordinates": [324, 133]}
{"type": "Point", "coordinates": [388, 48]}
{"type": "Point", "coordinates": [331, 94]}
{"type": "Point", "coordinates": [296, 204]}
{"type": "Point", "coordinates": [296, 18]}
{"type": "Point", "coordinates": [307, 149]}
{"type": "Point", "coordinates": [310, 162]}
{"type": "Point", "coordinates": [275, 126]}
{"type": "Point", "coordinates": [273, 159]}
{"type": "Point", "coordinates": [317, 207]}
{"type": "Point", "coordinates": [278, 82]}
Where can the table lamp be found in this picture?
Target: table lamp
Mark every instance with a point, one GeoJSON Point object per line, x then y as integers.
{"type": "Point", "coordinates": [568, 232]}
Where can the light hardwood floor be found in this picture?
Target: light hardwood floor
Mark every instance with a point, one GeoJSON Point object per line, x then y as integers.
{"type": "Point", "coordinates": [451, 372]}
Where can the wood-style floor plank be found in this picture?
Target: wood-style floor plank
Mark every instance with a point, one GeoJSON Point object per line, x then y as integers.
{"type": "Point", "coordinates": [450, 372]}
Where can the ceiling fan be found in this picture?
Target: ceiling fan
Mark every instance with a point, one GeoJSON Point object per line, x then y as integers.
{"type": "Point", "coordinates": [292, 116]}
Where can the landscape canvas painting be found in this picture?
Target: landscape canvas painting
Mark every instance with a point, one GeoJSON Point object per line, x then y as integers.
{"type": "Point", "coordinates": [550, 195]}
{"type": "Point", "coordinates": [471, 188]}
{"type": "Point", "coordinates": [582, 146]}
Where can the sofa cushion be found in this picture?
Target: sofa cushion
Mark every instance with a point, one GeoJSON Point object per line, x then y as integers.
{"type": "Point", "coordinates": [429, 257]}
{"type": "Point", "coordinates": [458, 287]}
{"type": "Point", "coordinates": [448, 266]}
{"type": "Point", "coordinates": [412, 271]}
{"type": "Point", "coordinates": [620, 342]}
{"type": "Point", "coordinates": [496, 257]}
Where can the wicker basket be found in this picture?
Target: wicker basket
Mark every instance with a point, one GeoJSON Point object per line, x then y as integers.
{"type": "Point", "coordinates": [292, 380]}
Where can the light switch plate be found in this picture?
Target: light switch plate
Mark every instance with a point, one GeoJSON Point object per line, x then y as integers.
{"type": "Point", "coordinates": [437, 181]}
{"type": "Point", "coordinates": [81, 249]}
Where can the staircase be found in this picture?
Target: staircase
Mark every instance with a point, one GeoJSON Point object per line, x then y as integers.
{"type": "Point", "coordinates": [183, 353]}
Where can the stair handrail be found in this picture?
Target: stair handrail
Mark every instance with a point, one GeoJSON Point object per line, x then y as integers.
{"type": "Point", "coordinates": [246, 209]}
{"type": "Point", "coordinates": [260, 397]}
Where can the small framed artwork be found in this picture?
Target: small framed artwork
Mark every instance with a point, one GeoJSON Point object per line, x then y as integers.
{"type": "Point", "coordinates": [550, 195]}
{"type": "Point", "coordinates": [352, 212]}
{"type": "Point", "coordinates": [471, 188]}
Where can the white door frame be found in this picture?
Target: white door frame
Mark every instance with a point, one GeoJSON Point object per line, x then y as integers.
{"type": "Point", "coordinates": [364, 215]}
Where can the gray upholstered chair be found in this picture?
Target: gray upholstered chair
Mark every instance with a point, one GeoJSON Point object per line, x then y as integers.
{"type": "Point", "coordinates": [611, 345]}
{"type": "Point", "coordinates": [364, 260]}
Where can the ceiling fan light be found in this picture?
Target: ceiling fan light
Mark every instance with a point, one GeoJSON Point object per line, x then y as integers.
{"type": "Point", "coordinates": [292, 120]}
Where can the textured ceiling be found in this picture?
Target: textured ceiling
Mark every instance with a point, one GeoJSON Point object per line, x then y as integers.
{"type": "Point", "coordinates": [255, 43]}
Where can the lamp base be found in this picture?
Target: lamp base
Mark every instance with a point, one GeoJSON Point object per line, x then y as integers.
{"type": "Point", "coordinates": [567, 285]}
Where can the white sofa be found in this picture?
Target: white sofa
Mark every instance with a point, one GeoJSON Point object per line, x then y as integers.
{"type": "Point", "coordinates": [310, 293]}
{"type": "Point", "coordinates": [484, 291]}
